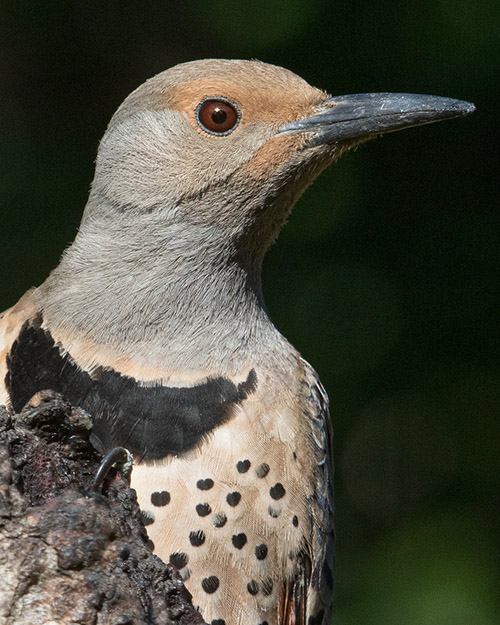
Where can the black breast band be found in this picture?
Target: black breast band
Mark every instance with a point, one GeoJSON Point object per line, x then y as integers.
{"type": "Point", "coordinates": [150, 421]}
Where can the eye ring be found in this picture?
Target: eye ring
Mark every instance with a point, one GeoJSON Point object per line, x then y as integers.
{"type": "Point", "coordinates": [217, 116]}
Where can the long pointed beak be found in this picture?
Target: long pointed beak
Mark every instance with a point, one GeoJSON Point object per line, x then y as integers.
{"type": "Point", "coordinates": [366, 114]}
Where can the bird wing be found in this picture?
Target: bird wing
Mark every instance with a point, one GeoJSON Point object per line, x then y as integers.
{"type": "Point", "coordinates": [307, 599]}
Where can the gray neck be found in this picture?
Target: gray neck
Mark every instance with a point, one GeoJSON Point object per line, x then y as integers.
{"type": "Point", "coordinates": [176, 294]}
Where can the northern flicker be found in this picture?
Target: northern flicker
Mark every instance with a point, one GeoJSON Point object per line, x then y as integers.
{"type": "Point", "coordinates": [154, 322]}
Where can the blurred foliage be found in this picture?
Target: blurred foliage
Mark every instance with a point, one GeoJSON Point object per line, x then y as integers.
{"type": "Point", "coordinates": [386, 277]}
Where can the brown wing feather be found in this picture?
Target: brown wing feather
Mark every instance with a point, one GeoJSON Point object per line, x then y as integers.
{"type": "Point", "coordinates": [293, 603]}
{"type": "Point", "coordinates": [319, 587]}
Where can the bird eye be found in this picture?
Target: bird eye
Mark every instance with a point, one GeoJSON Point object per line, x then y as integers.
{"type": "Point", "coordinates": [217, 117]}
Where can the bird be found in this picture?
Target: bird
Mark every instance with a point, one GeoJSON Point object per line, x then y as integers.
{"type": "Point", "coordinates": [155, 323]}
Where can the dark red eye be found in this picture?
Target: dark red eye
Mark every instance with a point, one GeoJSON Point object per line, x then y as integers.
{"type": "Point", "coordinates": [218, 117]}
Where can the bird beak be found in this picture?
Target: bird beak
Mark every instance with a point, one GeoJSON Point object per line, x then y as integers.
{"type": "Point", "coordinates": [364, 114]}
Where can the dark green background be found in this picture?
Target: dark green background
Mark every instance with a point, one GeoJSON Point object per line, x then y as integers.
{"type": "Point", "coordinates": [386, 277]}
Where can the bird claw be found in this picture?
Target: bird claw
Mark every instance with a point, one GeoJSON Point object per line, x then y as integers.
{"type": "Point", "coordinates": [118, 457]}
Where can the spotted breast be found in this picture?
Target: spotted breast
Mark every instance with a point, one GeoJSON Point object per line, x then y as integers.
{"type": "Point", "coordinates": [246, 513]}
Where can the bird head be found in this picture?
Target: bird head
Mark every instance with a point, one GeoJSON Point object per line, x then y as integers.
{"type": "Point", "coordinates": [230, 145]}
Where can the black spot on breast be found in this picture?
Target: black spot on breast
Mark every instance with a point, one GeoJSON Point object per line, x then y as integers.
{"type": "Point", "coordinates": [243, 466]}
{"type": "Point", "coordinates": [210, 584]}
{"type": "Point", "coordinates": [147, 517]}
{"type": "Point", "coordinates": [274, 512]}
{"type": "Point", "coordinates": [218, 621]}
{"type": "Point", "coordinates": [203, 509]}
{"type": "Point", "coordinates": [253, 587]}
{"type": "Point", "coordinates": [264, 623]}
{"type": "Point", "coordinates": [267, 586]}
{"type": "Point", "coordinates": [233, 499]}
{"type": "Point", "coordinates": [197, 538]}
{"type": "Point", "coordinates": [295, 521]}
{"type": "Point", "coordinates": [205, 484]}
{"type": "Point", "coordinates": [261, 552]}
{"type": "Point", "coordinates": [239, 540]}
{"type": "Point", "coordinates": [178, 559]}
{"type": "Point", "coordinates": [277, 491]}
{"type": "Point", "coordinates": [220, 519]}
{"type": "Point", "coordinates": [150, 421]}
{"type": "Point", "coordinates": [262, 470]}
{"type": "Point", "coordinates": [160, 498]}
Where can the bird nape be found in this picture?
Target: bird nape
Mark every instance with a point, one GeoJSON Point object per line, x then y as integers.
{"type": "Point", "coordinates": [154, 322]}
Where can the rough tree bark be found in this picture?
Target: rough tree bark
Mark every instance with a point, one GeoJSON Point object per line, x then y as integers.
{"type": "Point", "coordinates": [67, 554]}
